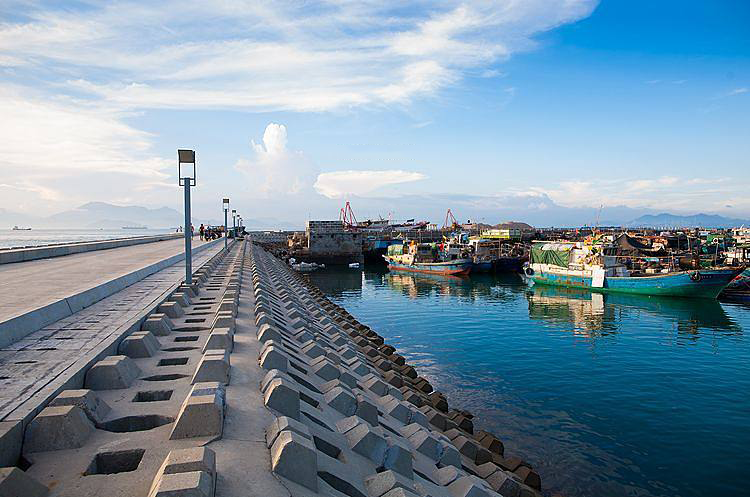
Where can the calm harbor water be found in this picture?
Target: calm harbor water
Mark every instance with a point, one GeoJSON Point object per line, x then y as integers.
{"type": "Point", "coordinates": [604, 395]}
{"type": "Point", "coordinates": [21, 238]}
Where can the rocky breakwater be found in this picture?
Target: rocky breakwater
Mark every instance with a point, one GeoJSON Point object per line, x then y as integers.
{"type": "Point", "coordinates": [352, 417]}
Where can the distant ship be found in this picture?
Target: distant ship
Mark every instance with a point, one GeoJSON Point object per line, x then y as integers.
{"type": "Point", "coordinates": [135, 227]}
{"type": "Point", "coordinates": [16, 228]}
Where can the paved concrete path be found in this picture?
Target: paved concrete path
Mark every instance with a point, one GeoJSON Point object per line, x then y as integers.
{"type": "Point", "coordinates": [26, 286]}
{"type": "Point", "coordinates": [40, 363]}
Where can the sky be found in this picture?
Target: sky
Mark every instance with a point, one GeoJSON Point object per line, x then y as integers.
{"type": "Point", "coordinates": [515, 108]}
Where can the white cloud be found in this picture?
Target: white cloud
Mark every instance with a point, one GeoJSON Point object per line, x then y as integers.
{"type": "Point", "coordinates": [339, 184]}
{"type": "Point", "coordinates": [737, 91]}
{"type": "Point", "coordinates": [665, 192]}
{"type": "Point", "coordinates": [277, 56]}
{"type": "Point", "coordinates": [275, 168]}
{"type": "Point", "coordinates": [48, 145]}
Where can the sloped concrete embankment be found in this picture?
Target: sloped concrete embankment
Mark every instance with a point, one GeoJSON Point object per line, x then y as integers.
{"type": "Point", "coordinates": [352, 417]}
{"type": "Point", "coordinates": [140, 421]}
{"type": "Point", "coordinates": [283, 394]}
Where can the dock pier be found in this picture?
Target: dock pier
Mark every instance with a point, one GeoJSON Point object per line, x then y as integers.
{"type": "Point", "coordinates": [248, 381]}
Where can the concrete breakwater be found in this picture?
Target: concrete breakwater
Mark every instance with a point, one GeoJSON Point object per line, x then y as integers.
{"type": "Point", "coordinates": [252, 379]}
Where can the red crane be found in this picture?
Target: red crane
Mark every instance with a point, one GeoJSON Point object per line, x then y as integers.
{"type": "Point", "coordinates": [346, 216]}
{"type": "Point", "coordinates": [450, 221]}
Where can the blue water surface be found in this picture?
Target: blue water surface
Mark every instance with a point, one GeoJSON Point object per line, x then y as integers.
{"type": "Point", "coordinates": [604, 395]}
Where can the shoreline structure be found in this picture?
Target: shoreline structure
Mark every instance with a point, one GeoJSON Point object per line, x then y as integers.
{"type": "Point", "coordinates": [179, 411]}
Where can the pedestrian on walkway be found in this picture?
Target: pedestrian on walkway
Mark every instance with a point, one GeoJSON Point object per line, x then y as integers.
{"type": "Point", "coordinates": [201, 231]}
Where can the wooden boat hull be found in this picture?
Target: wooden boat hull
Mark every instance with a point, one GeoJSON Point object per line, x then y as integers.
{"type": "Point", "coordinates": [704, 283]}
{"type": "Point", "coordinates": [459, 267]}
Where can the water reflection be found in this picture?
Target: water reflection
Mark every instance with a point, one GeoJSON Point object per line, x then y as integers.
{"type": "Point", "coordinates": [596, 314]}
{"type": "Point", "coordinates": [603, 394]}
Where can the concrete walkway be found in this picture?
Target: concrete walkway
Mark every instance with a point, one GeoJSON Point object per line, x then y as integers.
{"type": "Point", "coordinates": [26, 286]}
{"type": "Point", "coordinates": [35, 367]}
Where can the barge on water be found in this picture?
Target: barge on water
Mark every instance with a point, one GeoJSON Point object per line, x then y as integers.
{"type": "Point", "coordinates": [597, 267]}
{"type": "Point", "coordinates": [425, 258]}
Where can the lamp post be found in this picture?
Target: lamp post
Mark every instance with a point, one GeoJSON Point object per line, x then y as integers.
{"type": "Point", "coordinates": [186, 177]}
{"type": "Point", "coordinates": [234, 223]}
{"type": "Point", "coordinates": [225, 203]}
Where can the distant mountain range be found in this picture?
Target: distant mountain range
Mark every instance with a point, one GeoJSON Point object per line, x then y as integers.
{"type": "Point", "coordinates": [537, 210]}
{"type": "Point", "coordinates": [109, 216]}
{"type": "Point", "coordinates": [665, 220]}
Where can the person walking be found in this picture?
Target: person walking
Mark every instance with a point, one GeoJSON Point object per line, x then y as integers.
{"type": "Point", "coordinates": [201, 231]}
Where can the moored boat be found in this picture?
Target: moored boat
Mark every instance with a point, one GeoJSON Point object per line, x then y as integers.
{"type": "Point", "coordinates": [597, 267]}
{"type": "Point", "coordinates": [425, 258]}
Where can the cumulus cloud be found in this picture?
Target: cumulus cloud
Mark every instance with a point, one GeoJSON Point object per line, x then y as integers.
{"type": "Point", "coordinates": [275, 168]}
{"type": "Point", "coordinates": [339, 184]}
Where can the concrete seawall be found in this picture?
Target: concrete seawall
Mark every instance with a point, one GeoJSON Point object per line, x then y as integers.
{"type": "Point", "coordinates": [18, 327]}
{"type": "Point", "coordinates": [8, 256]}
{"type": "Point", "coordinates": [251, 380]}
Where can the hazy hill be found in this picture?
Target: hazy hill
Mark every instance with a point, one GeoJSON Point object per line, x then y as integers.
{"type": "Point", "coordinates": [665, 220]}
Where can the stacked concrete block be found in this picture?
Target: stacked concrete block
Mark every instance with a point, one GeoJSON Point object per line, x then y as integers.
{"type": "Point", "coordinates": [113, 372]}
{"type": "Point", "coordinates": [213, 366]}
{"type": "Point", "coordinates": [57, 428]}
{"type": "Point", "coordinates": [202, 412]}
{"type": "Point", "coordinates": [188, 472]}
{"type": "Point", "coordinates": [171, 309]}
{"type": "Point", "coordinates": [345, 395]}
{"type": "Point", "coordinates": [16, 483]}
{"type": "Point", "coordinates": [87, 400]}
{"type": "Point", "coordinates": [158, 323]}
{"type": "Point", "coordinates": [139, 344]}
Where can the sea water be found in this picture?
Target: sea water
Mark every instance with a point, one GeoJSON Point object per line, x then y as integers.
{"type": "Point", "coordinates": [604, 395]}
{"type": "Point", "coordinates": [36, 237]}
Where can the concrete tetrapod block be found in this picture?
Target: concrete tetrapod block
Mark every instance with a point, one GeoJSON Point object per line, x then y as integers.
{"type": "Point", "coordinates": [398, 458]}
{"type": "Point", "coordinates": [467, 486]}
{"type": "Point", "coordinates": [365, 441]}
{"type": "Point", "coordinates": [267, 332]}
{"type": "Point", "coordinates": [186, 461]}
{"type": "Point", "coordinates": [180, 298]}
{"type": "Point", "coordinates": [191, 484]}
{"type": "Point", "coordinates": [87, 400]}
{"type": "Point", "coordinates": [224, 320]}
{"type": "Point", "coordinates": [158, 324]}
{"type": "Point", "coordinates": [220, 339]}
{"type": "Point", "coordinates": [426, 444]}
{"type": "Point", "coordinates": [11, 437]}
{"type": "Point", "coordinates": [213, 366]}
{"type": "Point", "coordinates": [281, 396]}
{"type": "Point", "coordinates": [57, 428]}
{"type": "Point", "coordinates": [341, 400]}
{"type": "Point", "coordinates": [323, 368]}
{"type": "Point", "coordinates": [202, 413]}
{"type": "Point", "coordinates": [271, 357]}
{"type": "Point", "coordinates": [285, 423]}
{"type": "Point", "coordinates": [139, 344]}
{"type": "Point", "coordinates": [171, 309]}
{"type": "Point", "coordinates": [385, 481]}
{"type": "Point", "coordinates": [228, 305]}
{"type": "Point", "coordinates": [112, 373]}
{"type": "Point", "coordinates": [294, 457]}
{"type": "Point", "coordinates": [16, 483]}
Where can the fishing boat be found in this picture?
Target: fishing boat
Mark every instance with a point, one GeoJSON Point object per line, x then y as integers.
{"type": "Point", "coordinates": [597, 267]}
{"type": "Point", "coordinates": [16, 228]}
{"type": "Point", "coordinates": [425, 258]}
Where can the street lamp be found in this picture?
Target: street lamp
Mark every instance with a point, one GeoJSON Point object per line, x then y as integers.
{"type": "Point", "coordinates": [234, 223]}
{"type": "Point", "coordinates": [225, 204]}
{"type": "Point", "coordinates": [186, 177]}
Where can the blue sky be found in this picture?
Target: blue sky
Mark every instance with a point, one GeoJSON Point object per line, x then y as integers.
{"type": "Point", "coordinates": [495, 109]}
